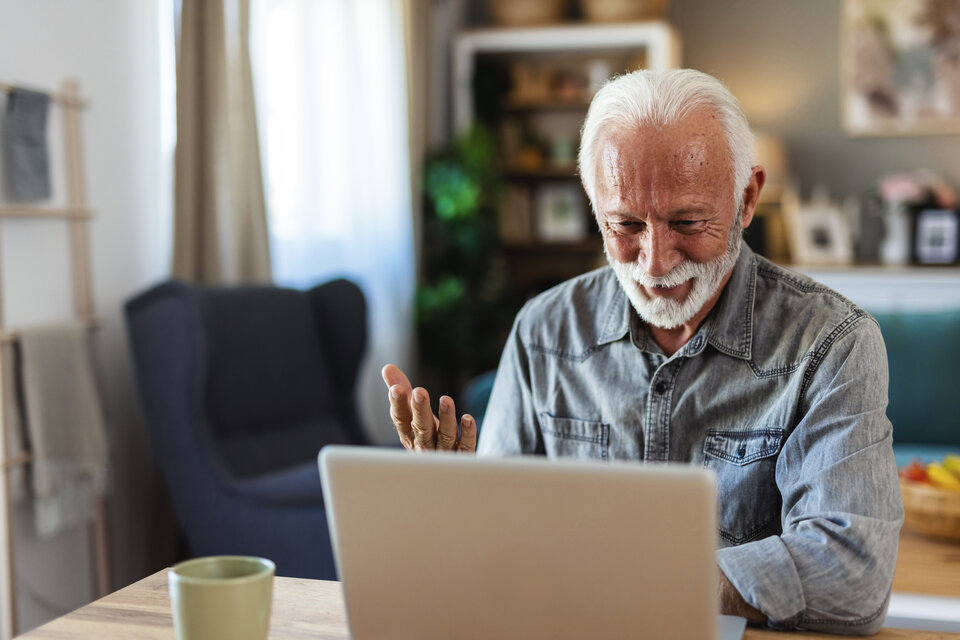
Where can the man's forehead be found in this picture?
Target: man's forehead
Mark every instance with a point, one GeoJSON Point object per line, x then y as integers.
{"type": "Point", "coordinates": [674, 167]}
{"type": "Point", "coordinates": [681, 152]}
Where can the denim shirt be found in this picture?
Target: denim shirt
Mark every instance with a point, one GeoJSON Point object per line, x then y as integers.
{"type": "Point", "coordinates": [782, 392]}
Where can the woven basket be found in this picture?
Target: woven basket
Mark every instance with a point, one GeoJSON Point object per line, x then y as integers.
{"type": "Point", "coordinates": [524, 13]}
{"type": "Point", "coordinates": [623, 10]}
{"type": "Point", "coordinates": [931, 510]}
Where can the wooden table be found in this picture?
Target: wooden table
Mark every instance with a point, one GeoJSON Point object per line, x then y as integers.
{"type": "Point", "coordinates": [925, 565]}
{"type": "Point", "coordinates": [313, 609]}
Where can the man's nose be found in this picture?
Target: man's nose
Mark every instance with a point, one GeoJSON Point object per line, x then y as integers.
{"type": "Point", "coordinates": [658, 252]}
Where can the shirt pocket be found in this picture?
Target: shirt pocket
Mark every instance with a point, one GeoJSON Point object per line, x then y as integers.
{"type": "Point", "coordinates": [573, 438]}
{"type": "Point", "coordinates": [748, 498]}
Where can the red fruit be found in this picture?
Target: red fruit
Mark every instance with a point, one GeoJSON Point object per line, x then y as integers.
{"type": "Point", "coordinates": [916, 471]}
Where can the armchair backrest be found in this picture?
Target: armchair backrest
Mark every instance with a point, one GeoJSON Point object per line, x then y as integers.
{"type": "Point", "coordinates": [263, 376]}
{"type": "Point", "coordinates": [266, 363]}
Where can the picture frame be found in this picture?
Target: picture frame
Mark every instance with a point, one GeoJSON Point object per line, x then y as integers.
{"type": "Point", "coordinates": [900, 67]}
{"type": "Point", "coordinates": [561, 213]}
{"type": "Point", "coordinates": [818, 233]}
{"type": "Point", "coordinates": [937, 236]}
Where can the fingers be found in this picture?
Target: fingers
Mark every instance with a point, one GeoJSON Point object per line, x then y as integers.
{"type": "Point", "coordinates": [447, 425]}
{"type": "Point", "coordinates": [468, 434]}
{"type": "Point", "coordinates": [424, 423]}
{"type": "Point", "coordinates": [401, 415]}
{"type": "Point", "coordinates": [392, 375]}
{"type": "Point", "coordinates": [417, 427]}
{"type": "Point", "coordinates": [400, 399]}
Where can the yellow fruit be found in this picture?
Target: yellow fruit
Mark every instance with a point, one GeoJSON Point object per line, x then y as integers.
{"type": "Point", "coordinates": [941, 477]}
{"type": "Point", "coordinates": [952, 462]}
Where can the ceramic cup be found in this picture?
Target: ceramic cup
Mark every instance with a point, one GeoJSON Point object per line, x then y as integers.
{"type": "Point", "coordinates": [221, 598]}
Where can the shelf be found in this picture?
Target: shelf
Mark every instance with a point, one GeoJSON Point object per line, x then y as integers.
{"type": "Point", "coordinates": [889, 288]}
{"type": "Point", "coordinates": [657, 38]}
{"type": "Point", "coordinates": [32, 211]}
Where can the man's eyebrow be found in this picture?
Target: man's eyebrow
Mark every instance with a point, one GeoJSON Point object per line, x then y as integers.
{"type": "Point", "coordinates": [694, 210]}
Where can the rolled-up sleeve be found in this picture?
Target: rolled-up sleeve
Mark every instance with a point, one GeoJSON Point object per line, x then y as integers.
{"type": "Point", "coordinates": [832, 567]}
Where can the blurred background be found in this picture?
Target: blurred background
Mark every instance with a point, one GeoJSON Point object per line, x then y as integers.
{"type": "Point", "coordinates": [425, 150]}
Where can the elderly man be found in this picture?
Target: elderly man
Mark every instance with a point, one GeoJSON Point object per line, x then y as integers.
{"type": "Point", "coordinates": [691, 348]}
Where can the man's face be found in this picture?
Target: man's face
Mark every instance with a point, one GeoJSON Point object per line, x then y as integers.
{"type": "Point", "coordinates": [666, 206]}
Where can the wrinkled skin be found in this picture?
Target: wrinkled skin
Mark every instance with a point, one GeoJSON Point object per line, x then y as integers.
{"type": "Point", "coordinates": [666, 196]}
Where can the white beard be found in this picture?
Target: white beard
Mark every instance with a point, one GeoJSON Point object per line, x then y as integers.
{"type": "Point", "coordinates": [667, 313]}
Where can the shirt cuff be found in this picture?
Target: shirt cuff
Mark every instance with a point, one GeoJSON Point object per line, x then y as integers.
{"type": "Point", "coordinates": [764, 574]}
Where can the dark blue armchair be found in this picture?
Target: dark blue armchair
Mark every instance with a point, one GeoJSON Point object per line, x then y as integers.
{"type": "Point", "coordinates": [241, 387]}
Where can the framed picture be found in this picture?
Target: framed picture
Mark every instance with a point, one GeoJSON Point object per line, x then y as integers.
{"type": "Point", "coordinates": [561, 213]}
{"type": "Point", "coordinates": [937, 236]}
{"type": "Point", "coordinates": [818, 233]}
{"type": "Point", "coordinates": [900, 66]}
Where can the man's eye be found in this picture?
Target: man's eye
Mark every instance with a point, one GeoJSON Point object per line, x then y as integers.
{"type": "Point", "coordinates": [686, 225]}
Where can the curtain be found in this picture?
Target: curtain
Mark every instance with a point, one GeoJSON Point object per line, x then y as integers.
{"type": "Point", "coordinates": [220, 228]}
{"type": "Point", "coordinates": [416, 31]}
{"type": "Point", "coordinates": [331, 91]}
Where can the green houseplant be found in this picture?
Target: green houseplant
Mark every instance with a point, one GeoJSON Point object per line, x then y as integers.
{"type": "Point", "coordinates": [465, 303]}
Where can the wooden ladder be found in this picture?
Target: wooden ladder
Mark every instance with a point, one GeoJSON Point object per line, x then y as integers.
{"type": "Point", "coordinates": [77, 215]}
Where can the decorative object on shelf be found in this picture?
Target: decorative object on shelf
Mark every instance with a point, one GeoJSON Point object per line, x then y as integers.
{"type": "Point", "coordinates": [568, 87]}
{"type": "Point", "coordinates": [901, 68]}
{"type": "Point", "coordinates": [563, 150]}
{"type": "Point", "coordinates": [900, 197]}
{"type": "Point", "coordinates": [818, 231]}
{"type": "Point", "coordinates": [515, 216]}
{"type": "Point", "coordinates": [465, 300]}
{"type": "Point", "coordinates": [895, 248]}
{"type": "Point", "coordinates": [937, 233]}
{"type": "Point", "coordinates": [623, 10]}
{"type": "Point", "coordinates": [561, 213]}
{"type": "Point", "coordinates": [530, 83]}
{"type": "Point", "coordinates": [525, 13]}
{"type": "Point", "coordinates": [869, 231]}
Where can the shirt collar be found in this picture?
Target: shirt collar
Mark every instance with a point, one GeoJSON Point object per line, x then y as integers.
{"type": "Point", "coordinates": [616, 324]}
{"type": "Point", "coordinates": [729, 327]}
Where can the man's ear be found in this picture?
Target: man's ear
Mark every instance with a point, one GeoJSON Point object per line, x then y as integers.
{"type": "Point", "coordinates": [751, 194]}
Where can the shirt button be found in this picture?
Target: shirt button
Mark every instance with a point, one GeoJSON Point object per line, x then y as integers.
{"type": "Point", "coordinates": [661, 387]}
{"type": "Point", "coordinates": [742, 451]}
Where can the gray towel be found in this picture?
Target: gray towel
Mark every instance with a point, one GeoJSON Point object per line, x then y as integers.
{"type": "Point", "coordinates": [65, 426]}
{"type": "Point", "coordinates": [17, 444]}
{"type": "Point", "coordinates": [25, 157]}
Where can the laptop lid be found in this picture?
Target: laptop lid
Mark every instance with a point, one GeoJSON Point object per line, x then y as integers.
{"type": "Point", "coordinates": [438, 546]}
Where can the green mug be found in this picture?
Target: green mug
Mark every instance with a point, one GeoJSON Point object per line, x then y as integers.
{"type": "Point", "coordinates": [221, 598]}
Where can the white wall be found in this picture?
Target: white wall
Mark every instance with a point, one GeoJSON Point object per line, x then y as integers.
{"type": "Point", "coordinates": [112, 48]}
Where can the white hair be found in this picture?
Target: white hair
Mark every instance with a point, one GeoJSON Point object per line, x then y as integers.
{"type": "Point", "coordinates": [658, 99]}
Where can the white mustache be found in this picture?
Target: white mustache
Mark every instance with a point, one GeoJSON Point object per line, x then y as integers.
{"type": "Point", "coordinates": [681, 273]}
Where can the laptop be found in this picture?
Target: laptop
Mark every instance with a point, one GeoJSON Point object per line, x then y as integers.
{"type": "Point", "coordinates": [439, 546]}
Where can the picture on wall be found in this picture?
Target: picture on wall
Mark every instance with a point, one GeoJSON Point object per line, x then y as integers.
{"type": "Point", "coordinates": [901, 67]}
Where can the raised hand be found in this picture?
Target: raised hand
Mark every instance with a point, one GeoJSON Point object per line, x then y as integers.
{"type": "Point", "coordinates": [419, 429]}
